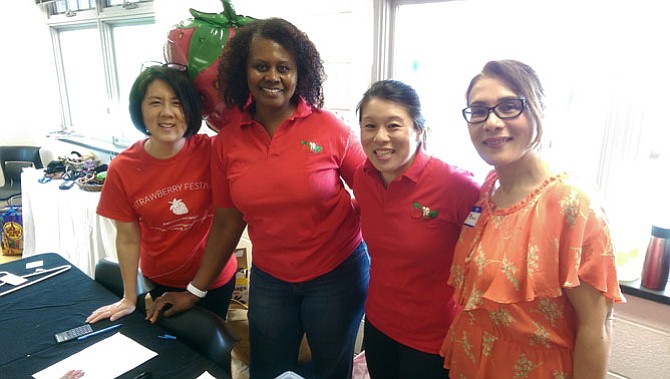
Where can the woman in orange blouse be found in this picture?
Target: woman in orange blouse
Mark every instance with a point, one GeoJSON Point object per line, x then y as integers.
{"type": "Point", "coordinates": [534, 268]}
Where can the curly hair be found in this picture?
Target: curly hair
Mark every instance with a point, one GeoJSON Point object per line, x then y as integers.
{"type": "Point", "coordinates": [233, 63]}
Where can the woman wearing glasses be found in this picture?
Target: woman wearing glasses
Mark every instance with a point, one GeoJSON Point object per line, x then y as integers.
{"type": "Point", "coordinates": [158, 192]}
{"type": "Point", "coordinates": [412, 208]}
{"type": "Point", "coordinates": [534, 268]}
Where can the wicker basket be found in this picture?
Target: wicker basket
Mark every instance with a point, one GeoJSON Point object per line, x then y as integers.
{"type": "Point", "coordinates": [86, 184]}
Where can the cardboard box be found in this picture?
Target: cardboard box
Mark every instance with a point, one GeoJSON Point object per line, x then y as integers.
{"type": "Point", "coordinates": [241, 291]}
{"type": "Point", "coordinates": [243, 258]}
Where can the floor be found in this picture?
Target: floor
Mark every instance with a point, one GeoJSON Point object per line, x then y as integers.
{"type": "Point", "coordinates": [8, 258]}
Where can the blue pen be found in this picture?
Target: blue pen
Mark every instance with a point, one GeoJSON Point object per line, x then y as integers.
{"type": "Point", "coordinates": [107, 329]}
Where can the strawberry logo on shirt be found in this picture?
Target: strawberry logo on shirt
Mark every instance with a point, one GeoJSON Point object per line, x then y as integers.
{"type": "Point", "coordinates": [178, 207]}
{"type": "Point", "coordinates": [419, 211]}
{"type": "Point", "coordinates": [313, 147]}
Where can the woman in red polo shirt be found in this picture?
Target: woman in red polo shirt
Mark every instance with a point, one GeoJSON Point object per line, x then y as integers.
{"type": "Point", "coordinates": [412, 208]}
{"type": "Point", "coordinates": [280, 167]}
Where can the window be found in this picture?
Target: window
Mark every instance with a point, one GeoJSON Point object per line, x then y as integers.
{"type": "Point", "coordinates": [602, 66]}
{"type": "Point", "coordinates": [83, 74]}
{"type": "Point", "coordinates": [65, 6]}
{"type": "Point", "coordinates": [70, 7]}
{"type": "Point", "coordinates": [99, 48]}
{"type": "Point", "coordinates": [134, 43]}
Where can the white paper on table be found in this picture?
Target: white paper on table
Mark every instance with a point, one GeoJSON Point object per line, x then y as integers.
{"type": "Point", "coordinates": [206, 375]}
{"type": "Point", "coordinates": [108, 358]}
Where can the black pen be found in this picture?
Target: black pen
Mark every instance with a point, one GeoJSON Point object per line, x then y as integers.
{"type": "Point", "coordinates": [99, 331]}
{"type": "Point", "coordinates": [143, 375]}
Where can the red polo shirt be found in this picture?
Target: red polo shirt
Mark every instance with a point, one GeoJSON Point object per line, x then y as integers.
{"type": "Point", "coordinates": [300, 217]}
{"type": "Point", "coordinates": [411, 229]}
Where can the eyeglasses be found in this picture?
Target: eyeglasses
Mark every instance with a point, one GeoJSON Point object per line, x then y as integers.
{"type": "Point", "coordinates": [175, 66]}
{"type": "Point", "coordinates": [505, 110]}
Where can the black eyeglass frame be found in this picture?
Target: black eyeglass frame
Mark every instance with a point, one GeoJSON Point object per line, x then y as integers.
{"type": "Point", "coordinates": [176, 66]}
{"type": "Point", "coordinates": [468, 110]}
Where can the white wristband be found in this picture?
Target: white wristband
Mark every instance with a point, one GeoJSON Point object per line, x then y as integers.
{"type": "Point", "coordinates": [196, 292]}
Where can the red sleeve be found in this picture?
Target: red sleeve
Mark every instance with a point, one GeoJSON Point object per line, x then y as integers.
{"type": "Point", "coordinates": [114, 202]}
{"type": "Point", "coordinates": [220, 184]}
{"type": "Point", "coordinates": [353, 158]}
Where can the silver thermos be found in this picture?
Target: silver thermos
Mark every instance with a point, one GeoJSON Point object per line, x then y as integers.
{"type": "Point", "coordinates": [657, 260]}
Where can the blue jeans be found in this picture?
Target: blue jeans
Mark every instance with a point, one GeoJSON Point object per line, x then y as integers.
{"type": "Point", "coordinates": [328, 309]}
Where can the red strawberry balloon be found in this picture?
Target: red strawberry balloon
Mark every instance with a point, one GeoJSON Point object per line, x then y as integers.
{"type": "Point", "coordinates": [197, 43]}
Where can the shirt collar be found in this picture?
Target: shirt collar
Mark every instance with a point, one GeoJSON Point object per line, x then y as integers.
{"type": "Point", "coordinates": [412, 173]}
{"type": "Point", "coordinates": [302, 110]}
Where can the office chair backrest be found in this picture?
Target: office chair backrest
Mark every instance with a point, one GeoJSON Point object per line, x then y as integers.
{"type": "Point", "coordinates": [205, 332]}
{"type": "Point", "coordinates": [12, 161]}
{"type": "Point", "coordinates": [108, 273]}
{"type": "Point", "coordinates": [13, 170]}
{"type": "Point", "coordinates": [20, 154]}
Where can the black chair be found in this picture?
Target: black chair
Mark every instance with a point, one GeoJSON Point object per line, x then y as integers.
{"type": "Point", "coordinates": [108, 273]}
{"type": "Point", "coordinates": [12, 161]}
{"type": "Point", "coordinates": [205, 332]}
{"type": "Point", "coordinates": [199, 328]}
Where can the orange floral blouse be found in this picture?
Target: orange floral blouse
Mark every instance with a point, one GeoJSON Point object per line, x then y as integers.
{"type": "Point", "coordinates": [509, 272]}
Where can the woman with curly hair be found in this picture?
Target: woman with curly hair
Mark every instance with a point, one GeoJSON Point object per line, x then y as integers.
{"type": "Point", "coordinates": [280, 167]}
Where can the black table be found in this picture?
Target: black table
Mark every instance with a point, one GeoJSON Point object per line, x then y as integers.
{"type": "Point", "coordinates": [30, 316]}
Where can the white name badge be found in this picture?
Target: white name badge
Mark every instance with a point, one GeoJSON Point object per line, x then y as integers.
{"type": "Point", "coordinates": [34, 264]}
{"type": "Point", "coordinates": [472, 218]}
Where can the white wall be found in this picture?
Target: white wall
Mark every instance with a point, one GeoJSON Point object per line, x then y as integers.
{"type": "Point", "coordinates": [641, 348]}
{"type": "Point", "coordinates": [29, 105]}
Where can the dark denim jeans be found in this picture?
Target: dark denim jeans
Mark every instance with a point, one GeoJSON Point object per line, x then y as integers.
{"type": "Point", "coordinates": [328, 309]}
{"type": "Point", "coordinates": [389, 359]}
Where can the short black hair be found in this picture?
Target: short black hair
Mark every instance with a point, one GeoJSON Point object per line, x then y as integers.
{"type": "Point", "coordinates": [233, 64]}
{"type": "Point", "coordinates": [397, 92]}
{"type": "Point", "coordinates": [181, 85]}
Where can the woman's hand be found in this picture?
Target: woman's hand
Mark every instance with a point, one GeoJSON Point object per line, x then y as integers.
{"type": "Point", "coordinates": [173, 302]}
{"type": "Point", "coordinates": [113, 311]}
{"type": "Point", "coordinates": [73, 374]}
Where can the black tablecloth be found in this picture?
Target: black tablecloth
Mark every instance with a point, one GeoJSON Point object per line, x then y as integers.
{"type": "Point", "coordinates": [31, 316]}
